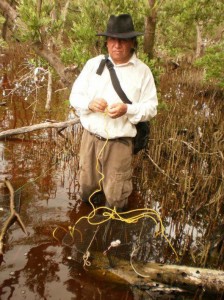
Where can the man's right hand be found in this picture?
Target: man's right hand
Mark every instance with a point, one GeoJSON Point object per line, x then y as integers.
{"type": "Point", "coordinates": [98, 105]}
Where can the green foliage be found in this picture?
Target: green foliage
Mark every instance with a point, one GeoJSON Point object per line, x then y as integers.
{"type": "Point", "coordinates": [170, 28]}
{"type": "Point", "coordinates": [177, 20]}
{"type": "Point", "coordinates": [74, 33]}
{"type": "Point", "coordinates": [154, 66]}
{"type": "Point", "coordinates": [92, 17]}
{"type": "Point", "coordinates": [162, 106]}
{"type": "Point", "coordinates": [2, 20]}
{"type": "Point", "coordinates": [3, 44]}
{"type": "Point", "coordinates": [39, 27]}
{"type": "Point", "coordinates": [213, 62]}
{"type": "Point", "coordinates": [38, 62]}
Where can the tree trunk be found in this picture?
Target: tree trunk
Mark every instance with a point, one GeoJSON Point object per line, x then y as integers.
{"type": "Point", "coordinates": [39, 7]}
{"type": "Point", "coordinates": [66, 74]}
{"type": "Point", "coordinates": [8, 11]}
{"type": "Point", "coordinates": [199, 44]}
{"type": "Point", "coordinates": [150, 29]}
{"type": "Point", "coordinates": [64, 13]}
{"type": "Point", "coordinates": [5, 25]}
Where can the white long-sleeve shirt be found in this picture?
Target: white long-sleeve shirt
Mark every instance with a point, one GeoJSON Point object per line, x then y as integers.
{"type": "Point", "coordinates": [136, 81]}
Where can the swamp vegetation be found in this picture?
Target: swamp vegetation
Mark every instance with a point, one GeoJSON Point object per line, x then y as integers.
{"type": "Point", "coordinates": [181, 175]}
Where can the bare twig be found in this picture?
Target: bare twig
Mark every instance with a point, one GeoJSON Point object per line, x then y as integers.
{"type": "Point", "coordinates": [161, 170]}
{"type": "Point", "coordinates": [193, 149]}
{"type": "Point", "coordinates": [49, 91]}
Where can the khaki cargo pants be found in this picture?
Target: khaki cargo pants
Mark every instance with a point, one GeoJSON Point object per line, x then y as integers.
{"type": "Point", "coordinates": [115, 163]}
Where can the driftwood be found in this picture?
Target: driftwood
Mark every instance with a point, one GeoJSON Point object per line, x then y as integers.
{"type": "Point", "coordinates": [152, 276]}
{"type": "Point", "coordinates": [26, 129]}
{"type": "Point", "coordinates": [13, 216]}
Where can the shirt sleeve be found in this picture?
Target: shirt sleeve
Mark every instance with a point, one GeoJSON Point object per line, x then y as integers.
{"type": "Point", "coordinates": [79, 98]}
{"type": "Point", "coordinates": [146, 108]}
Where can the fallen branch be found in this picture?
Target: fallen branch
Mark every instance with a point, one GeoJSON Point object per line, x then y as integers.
{"type": "Point", "coordinates": [26, 129]}
{"type": "Point", "coordinates": [188, 278]}
{"type": "Point", "coordinates": [13, 216]}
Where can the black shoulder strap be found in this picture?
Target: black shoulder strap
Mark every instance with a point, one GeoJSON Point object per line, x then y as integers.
{"type": "Point", "coordinates": [100, 69]}
{"type": "Point", "coordinates": [114, 79]}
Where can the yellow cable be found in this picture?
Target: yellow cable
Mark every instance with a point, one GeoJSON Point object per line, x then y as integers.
{"type": "Point", "coordinates": [110, 213]}
{"type": "Point", "coordinates": [54, 231]}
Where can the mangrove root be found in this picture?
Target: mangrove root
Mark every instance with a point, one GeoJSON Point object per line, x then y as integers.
{"type": "Point", "coordinates": [14, 216]}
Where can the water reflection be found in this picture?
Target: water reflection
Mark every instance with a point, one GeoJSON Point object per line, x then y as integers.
{"type": "Point", "coordinates": [37, 266]}
{"type": "Point", "coordinates": [46, 177]}
{"type": "Point", "coordinates": [47, 274]}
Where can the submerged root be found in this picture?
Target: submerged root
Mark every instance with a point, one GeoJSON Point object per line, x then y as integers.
{"type": "Point", "coordinates": [14, 215]}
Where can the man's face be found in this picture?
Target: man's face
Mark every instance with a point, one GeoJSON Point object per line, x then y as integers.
{"type": "Point", "coordinates": [120, 49]}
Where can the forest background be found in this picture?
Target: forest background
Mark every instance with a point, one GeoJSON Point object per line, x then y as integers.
{"type": "Point", "coordinates": [183, 45]}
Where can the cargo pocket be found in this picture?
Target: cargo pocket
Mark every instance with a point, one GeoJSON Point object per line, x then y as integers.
{"type": "Point", "coordinates": [120, 186]}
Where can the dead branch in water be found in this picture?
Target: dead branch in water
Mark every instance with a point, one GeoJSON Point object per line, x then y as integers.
{"type": "Point", "coordinates": [13, 216]}
{"type": "Point", "coordinates": [26, 129]}
{"type": "Point", "coordinates": [187, 278]}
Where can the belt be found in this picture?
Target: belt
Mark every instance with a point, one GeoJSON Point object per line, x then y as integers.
{"type": "Point", "coordinates": [121, 139]}
{"type": "Point", "coordinates": [98, 136]}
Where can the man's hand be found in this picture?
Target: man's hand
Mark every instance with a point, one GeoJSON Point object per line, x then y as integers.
{"type": "Point", "coordinates": [117, 110]}
{"type": "Point", "coordinates": [98, 105]}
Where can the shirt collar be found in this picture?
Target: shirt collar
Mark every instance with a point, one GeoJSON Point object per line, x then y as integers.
{"type": "Point", "coordinates": [132, 61]}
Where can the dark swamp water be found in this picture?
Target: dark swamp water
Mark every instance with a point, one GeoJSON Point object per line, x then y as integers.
{"type": "Point", "coordinates": [37, 266]}
{"type": "Point", "coordinates": [42, 168]}
{"type": "Point", "coordinates": [43, 177]}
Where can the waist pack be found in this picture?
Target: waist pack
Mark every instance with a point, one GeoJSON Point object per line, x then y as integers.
{"type": "Point", "coordinates": [142, 137]}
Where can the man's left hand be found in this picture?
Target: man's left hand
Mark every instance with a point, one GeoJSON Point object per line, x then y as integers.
{"type": "Point", "coordinates": [117, 110]}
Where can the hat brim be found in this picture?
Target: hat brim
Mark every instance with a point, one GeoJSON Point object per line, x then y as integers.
{"type": "Point", "coordinates": [124, 35]}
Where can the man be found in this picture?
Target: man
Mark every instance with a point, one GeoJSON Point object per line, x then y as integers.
{"type": "Point", "coordinates": [104, 116]}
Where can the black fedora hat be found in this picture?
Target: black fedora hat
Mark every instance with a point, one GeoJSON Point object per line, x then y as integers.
{"type": "Point", "coordinates": [120, 27]}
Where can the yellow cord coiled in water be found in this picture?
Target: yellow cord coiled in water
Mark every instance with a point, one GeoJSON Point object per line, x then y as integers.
{"type": "Point", "coordinates": [129, 217]}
